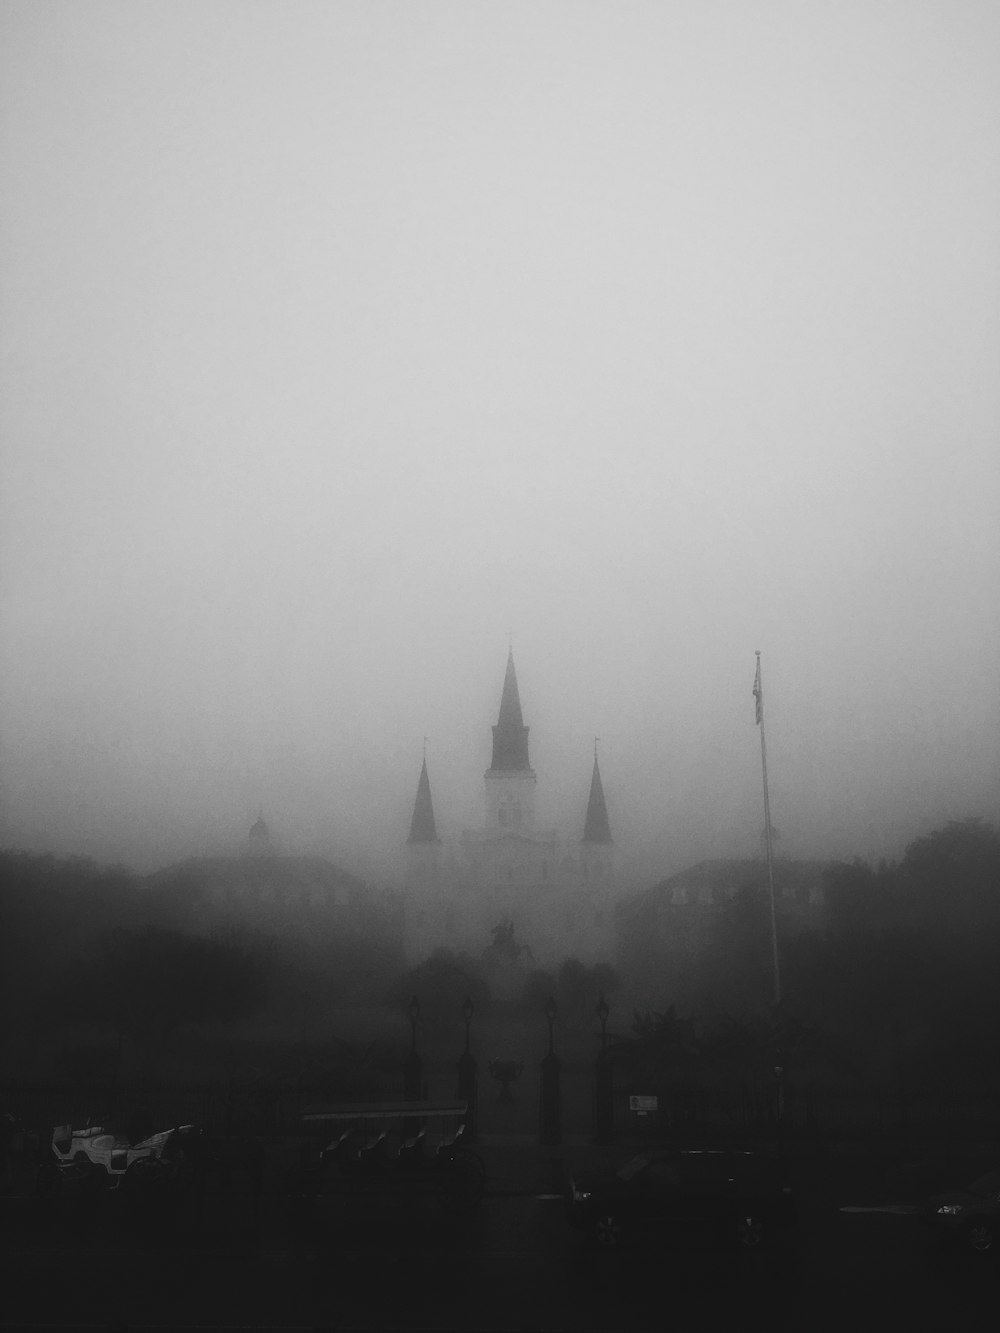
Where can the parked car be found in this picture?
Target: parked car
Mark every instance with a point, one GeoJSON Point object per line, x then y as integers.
{"type": "Point", "coordinates": [96, 1149]}
{"type": "Point", "coordinates": [970, 1216]}
{"type": "Point", "coordinates": [734, 1196]}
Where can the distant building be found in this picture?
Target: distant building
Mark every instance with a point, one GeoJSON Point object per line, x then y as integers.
{"type": "Point", "coordinates": [511, 893]}
{"type": "Point", "coordinates": [556, 892]}
{"type": "Point", "coordinates": [798, 885]}
{"type": "Point", "coordinates": [668, 935]}
{"type": "Point", "coordinates": [263, 890]}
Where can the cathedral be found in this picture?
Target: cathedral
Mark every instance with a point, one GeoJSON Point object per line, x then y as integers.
{"type": "Point", "coordinates": [546, 897]}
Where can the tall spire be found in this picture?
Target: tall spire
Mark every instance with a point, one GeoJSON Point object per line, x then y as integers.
{"type": "Point", "coordinates": [422, 826]}
{"type": "Point", "coordinates": [510, 735]}
{"type": "Point", "coordinates": [596, 827]}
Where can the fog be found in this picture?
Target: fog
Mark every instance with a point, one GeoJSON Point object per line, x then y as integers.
{"type": "Point", "coordinates": [343, 342]}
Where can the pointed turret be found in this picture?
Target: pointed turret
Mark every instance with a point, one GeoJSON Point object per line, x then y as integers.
{"type": "Point", "coordinates": [260, 837]}
{"type": "Point", "coordinates": [510, 735]}
{"type": "Point", "coordinates": [422, 826]}
{"type": "Point", "coordinates": [596, 827]}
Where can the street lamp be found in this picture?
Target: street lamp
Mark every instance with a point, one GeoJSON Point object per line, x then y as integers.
{"type": "Point", "coordinates": [413, 1010]}
{"type": "Point", "coordinates": [604, 1081]}
{"type": "Point", "coordinates": [779, 1080]}
{"type": "Point", "coordinates": [468, 1009]}
{"type": "Point", "coordinates": [551, 1131]}
{"type": "Point", "coordinates": [602, 1013]}
{"type": "Point", "coordinates": [550, 1014]}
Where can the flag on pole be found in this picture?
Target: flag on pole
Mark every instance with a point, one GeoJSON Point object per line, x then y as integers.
{"type": "Point", "coordinates": [758, 694]}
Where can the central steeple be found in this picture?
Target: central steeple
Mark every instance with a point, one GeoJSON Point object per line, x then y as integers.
{"type": "Point", "coordinates": [510, 781]}
{"type": "Point", "coordinates": [422, 826]}
{"type": "Point", "coordinates": [597, 827]}
{"type": "Point", "coordinates": [510, 735]}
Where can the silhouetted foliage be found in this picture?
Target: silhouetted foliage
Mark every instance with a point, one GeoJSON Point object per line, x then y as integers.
{"type": "Point", "coordinates": [145, 984]}
{"type": "Point", "coordinates": [89, 948]}
{"type": "Point", "coordinates": [576, 987]}
{"type": "Point", "coordinates": [737, 951]}
{"type": "Point", "coordinates": [895, 978]}
{"type": "Point", "coordinates": [859, 897]}
{"type": "Point", "coordinates": [952, 876]}
{"type": "Point", "coordinates": [663, 1047]}
{"type": "Point", "coordinates": [579, 986]}
{"type": "Point", "coordinates": [905, 972]}
{"type": "Point", "coordinates": [441, 984]}
{"type": "Point", "coordinates": [894, 981]}
{"type": "Point", "coordinates": [538, 987]}
{"type": "Point", "coordinates": [350, 1070]}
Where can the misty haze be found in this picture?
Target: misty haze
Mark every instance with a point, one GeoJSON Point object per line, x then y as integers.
{"type": "Point", "coordinates": [499, 640]}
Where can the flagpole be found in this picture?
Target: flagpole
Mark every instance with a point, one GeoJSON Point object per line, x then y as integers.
{"type": "Point", "coordinates": [758, 690]}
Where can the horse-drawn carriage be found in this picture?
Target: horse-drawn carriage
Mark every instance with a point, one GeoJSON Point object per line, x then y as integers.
{"type": "Point", "coordinates": [111, 1155]}
{"type": "Point", "coordinates": [390, 1147]}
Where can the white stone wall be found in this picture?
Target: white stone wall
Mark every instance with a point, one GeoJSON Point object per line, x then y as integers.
{"type": "Point", "coordinates": [510, 802]}
{"type": "Point", "coordinates": [562, 902]}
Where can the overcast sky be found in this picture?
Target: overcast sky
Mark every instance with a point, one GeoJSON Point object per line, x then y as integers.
{"type": "Point", "coordinates": [342, 339]}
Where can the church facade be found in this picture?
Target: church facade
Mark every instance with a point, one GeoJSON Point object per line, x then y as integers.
{"type": "Point", "coordinates": [550, 897]}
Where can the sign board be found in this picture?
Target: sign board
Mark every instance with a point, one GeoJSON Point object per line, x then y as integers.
{"type": "Point", "coordinates": [642, 1105]}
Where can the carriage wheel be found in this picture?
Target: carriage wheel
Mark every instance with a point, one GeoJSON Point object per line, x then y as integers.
{"type": "Point", "coordinates": [91, 1173]}
{"type": "Point", "coordinates": [145, 1172]}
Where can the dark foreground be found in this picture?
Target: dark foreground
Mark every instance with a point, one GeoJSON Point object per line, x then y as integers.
{"type": "Point", "coordinates": [239, 1253]}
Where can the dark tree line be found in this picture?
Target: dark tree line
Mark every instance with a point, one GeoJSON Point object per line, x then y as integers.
{"type": "Point", "coordinates": [897, 984]}
{"type": "Point", "coordinates": [896, 981]}
{"type": "Point", "coordinates": [443, 981]}
{"type": "Point", "coordinates": [99, 969]}
{"type": "Point", "coordinates": [144, 984]}
{"type": "Point", "coordinates": [906, 972]}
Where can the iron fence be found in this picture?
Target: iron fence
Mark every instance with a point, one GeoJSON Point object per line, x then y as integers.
{"type": "Point", "coordinates": [275, 1110]}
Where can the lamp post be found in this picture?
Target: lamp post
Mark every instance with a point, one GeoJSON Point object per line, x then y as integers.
{"type": "Point", "coordinates": [602, 1014]}
{"type": "Point", "coordinates": [412, 1072]}
{"type": "Point", "coordinates": [551, 1131]}
{"type": "Point", "coordinates": [468, 1081]}
{"type": "Point", "coordinates": [779, 1083]}
{"type": "Point", "coordinates": [604, 1079]}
